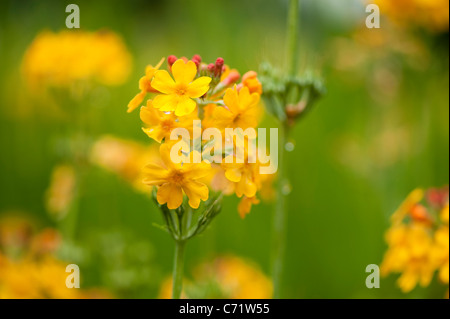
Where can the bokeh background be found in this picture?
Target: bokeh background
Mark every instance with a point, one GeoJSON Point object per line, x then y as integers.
{"type": "Point", "coordinates": [381, 130]}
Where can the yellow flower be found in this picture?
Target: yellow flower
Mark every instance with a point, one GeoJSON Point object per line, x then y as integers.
{"type": "Point", "coordinates": [124, 158]}
{"type": "Point", "coordinates": [241, 110]}
{"type": "Point", "coordinates": [145, 86]}
{"type": "Point", "coordinates": [251, 81]}
{"type": "Point", "coordinates": [63, 58]}
{"type": "Point", "coordinates": [175, 178]}
{"type": "Point", "coordinates": [178, 95]}
{"type": "Point", "coordinates": [245, 176]}
{"type": "Point", "coordinates": [410, 254]}
{"type": "Point", "coordinates": [160, 124]}
{"type": "Point", "coordinates": [245, 205]}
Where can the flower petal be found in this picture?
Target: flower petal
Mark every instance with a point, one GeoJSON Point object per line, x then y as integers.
{"type": "Point", "coordinates": [184, 73]}
{"type": "Point", "coordinates": [154, 174]}
{"type": "Point", "coordinates": [231, 100]}
{"type": "Point", "coordinates": [196, 171]}
{"type": "Point", "coordinates": [171, 194]}
{"type": "Point", "coordinates": [149, 115]}
{"type": "Point", "coordinates": [185, 106]}
{"type": "Point", "coordinates": [163, 82]}
{"type": "Point", "coordinates": [199, 87]}
{"type": "Point", "coordinates": [233, 175]}
{"type": "Point", "coordinates": [195, 191]}
{"type": "Point", "coordinates": [166, 103]}
{"type": "Point", "coordinates": [136, 101]}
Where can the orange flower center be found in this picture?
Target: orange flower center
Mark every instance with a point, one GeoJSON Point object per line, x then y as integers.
{"type": "Point", "coordinates": [181, 89]}
{"type": "Point", "coordinates": [177, 177]}
{"type": "Point", "coordinates": [167, 125]}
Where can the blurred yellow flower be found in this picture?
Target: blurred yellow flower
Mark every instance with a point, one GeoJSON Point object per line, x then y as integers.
{"type": "Point", "coordinates": [430, 14]}
{"type": "Point", "coordinates": [60, 59]}
{"type": "Point", "coordinates": [125, 158]}
{"type": "Point", "coordinates": [175, 178]}
{"type": "Point", "coordinates": [178, 95]}
{"type": "Point", "coordinates": [245, 205]}
{"type": "Point", "coordinates": [61, 191]}
{"type": "Point", "coordinates": [27, 267]}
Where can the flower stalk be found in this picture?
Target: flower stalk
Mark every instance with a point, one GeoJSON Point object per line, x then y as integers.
{"type": "Point", "coordinates": [178, 269]}
{"type": "Point", "coordinates": [279, 225]}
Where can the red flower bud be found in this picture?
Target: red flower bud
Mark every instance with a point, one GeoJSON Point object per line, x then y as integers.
{"type": "Point", "coordinates": [196, 57]}
{"type": "Point", "coordinates": [211, 67]}
{"type": "Point", "coordinates": [219, 63]}
{"type": "Point", "coordinates": [171, 59]}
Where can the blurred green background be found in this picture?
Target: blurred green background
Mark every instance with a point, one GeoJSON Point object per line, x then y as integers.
{"type": "Point", "coordinates": [380, 131]}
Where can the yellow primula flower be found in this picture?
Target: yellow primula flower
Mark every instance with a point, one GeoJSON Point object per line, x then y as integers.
{"type": "Point", "coordinates": [245, 176]}
{"type": "Point", "coordinates": [409, 253]}
{"type": "Point", "coordinates": [241, 110]}
{"type": "Point", "coordinates": [177, 95]}
{"type": "Point", "coordinates": [175, 178]}
{"type": "Point", "coordinates": [145, 85]}
{"type": "Point", "coordinates": [67, 57]}
{"type": "Point", "coordinates": [160, 124]}
{"type": "Point", "coordinates": [251, 81]}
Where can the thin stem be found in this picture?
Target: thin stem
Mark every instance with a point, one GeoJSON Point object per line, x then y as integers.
{"type": "Point", "coordinates": [292, 32]}
{"type": "Point", "coordinates": [178, 267]}
{"type": "Point", "coordinates": [279, 230]}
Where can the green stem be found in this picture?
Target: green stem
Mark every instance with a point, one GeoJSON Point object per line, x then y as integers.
{"type": "Point", "coordinates": [292, 31]}
{"type": "Point", "coordinates": [279, 230]}
{"type": "Point", "coordinates": [178, 267]}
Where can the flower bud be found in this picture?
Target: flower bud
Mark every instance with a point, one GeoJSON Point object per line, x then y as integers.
{"type": "Point", "coordinates": [197, 57]}
{"type": "Point", "coordinates": [219, 63]}
{"type": "Point", "coordinates": [232, 77]}
{"type": "Point", "coordinates": [171, 59]}
{"type": "Point", "coordinates": [211, 67]}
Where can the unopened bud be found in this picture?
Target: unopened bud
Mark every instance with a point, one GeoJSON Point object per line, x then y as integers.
{"type": "Point", "coordinates": [171, 59]}
{"type": "Point", "coordinates": [249, 75]}
{"type": "Point", "coordinates": [219, 63]}
{"type": "Point", "coordinates": [211, 67]}
{"type": "Point", "coordinates": [231, 78]}
{"type": "Point", "coordinates": [420, 213]}
{"type": "Point", "coordinates": [219, 67]}
{"type": "Point", "coordinates": [197, 57]}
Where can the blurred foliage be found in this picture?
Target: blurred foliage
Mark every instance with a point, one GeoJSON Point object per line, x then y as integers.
{"type": "Point", "coordinates": [380, 131]}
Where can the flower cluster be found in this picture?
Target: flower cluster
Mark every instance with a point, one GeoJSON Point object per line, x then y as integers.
{"type": "Point", "coordinates": [418, 239]}
{"type": "Point", "coordinates": [214, 96]}
{"type": "Point", "coordinates": [63, 58]}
